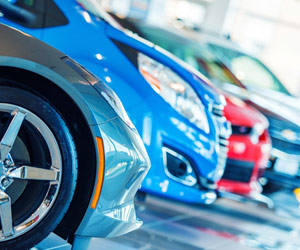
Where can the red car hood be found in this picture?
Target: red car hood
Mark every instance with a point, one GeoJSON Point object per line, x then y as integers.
{"type": "Point", "coordinates": [241, 114]}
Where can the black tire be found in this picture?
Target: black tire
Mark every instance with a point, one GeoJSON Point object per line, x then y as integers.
{"type": "Point", "coordinates": [67, 177]}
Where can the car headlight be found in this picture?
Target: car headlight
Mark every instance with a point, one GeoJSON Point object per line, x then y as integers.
{"type": "Point", "coordinates": [174, 90]}
{"type": "Point", "coordinates": [257, 130]}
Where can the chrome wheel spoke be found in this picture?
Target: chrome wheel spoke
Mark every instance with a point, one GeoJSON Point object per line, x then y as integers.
{"type": "Point", "coordinates": [33, 173]}
{"type": "Point", "coordinates": [5, 214]}
{"type": "Point", "coordinates": [11, 133]}
{"type": "Point", "coordinates": [26, 153]}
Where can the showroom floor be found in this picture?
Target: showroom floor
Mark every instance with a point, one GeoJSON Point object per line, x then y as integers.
{"type": "Point", "coordinates": [226, 225]}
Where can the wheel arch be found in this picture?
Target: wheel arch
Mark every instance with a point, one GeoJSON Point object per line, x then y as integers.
{"type": "Point", "coordinates": [72, 113]}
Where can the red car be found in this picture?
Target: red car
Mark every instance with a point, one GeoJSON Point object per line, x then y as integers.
{"type": "Point", "coordinates": [249, 148]}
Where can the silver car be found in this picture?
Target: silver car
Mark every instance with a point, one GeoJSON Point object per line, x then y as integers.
{"type": "Point", "coordinates": [70, 158]}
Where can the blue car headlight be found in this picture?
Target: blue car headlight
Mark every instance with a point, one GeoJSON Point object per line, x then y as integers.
{"type": "Point", "coordinates": [174, 90]}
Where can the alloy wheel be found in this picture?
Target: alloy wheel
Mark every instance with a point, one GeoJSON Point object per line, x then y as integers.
{"type": "Point", "coordinates": [30, 170]}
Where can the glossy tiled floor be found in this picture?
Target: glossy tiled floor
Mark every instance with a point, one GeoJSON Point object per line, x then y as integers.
{"type": "Point", "coordinates": [225, 225]}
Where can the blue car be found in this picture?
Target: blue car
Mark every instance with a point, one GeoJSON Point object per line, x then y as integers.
{"type": "Point", "coordinates": [177, 113]}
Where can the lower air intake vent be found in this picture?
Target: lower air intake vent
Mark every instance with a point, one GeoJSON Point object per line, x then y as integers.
{"type": "Point", "coordinates": [178, 168]}
{"type": "Point", "coordinates": [238, 170]}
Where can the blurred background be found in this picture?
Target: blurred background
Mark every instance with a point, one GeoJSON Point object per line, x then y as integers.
{"type": "Point", "coordinates": [255, 209]}
{"type": "Point", "coordinates": [269, 29]}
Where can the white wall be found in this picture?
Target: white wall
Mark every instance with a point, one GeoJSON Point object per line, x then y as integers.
{"type": "Point", "coordinates": [271, 28]}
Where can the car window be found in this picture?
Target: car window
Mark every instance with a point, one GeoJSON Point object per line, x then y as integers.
{"type": "Point", "coordinates": [96, 8]}
{"type": "Point", "coordinates": [28, 13]}
{"type": "Point", "coordinates": [249, 70]}
{"type": "Point", "coordinates": [208, 64]}
{"type": "Point", "coordinates": [252, 73]}
{"type": "Point", "coordinates": [33, 13]}
{"type": "Point", "coordinates": [193, 53]}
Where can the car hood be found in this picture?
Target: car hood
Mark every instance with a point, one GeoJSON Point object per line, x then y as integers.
{"type": "Point", "coordinates": [290, 102]}
{"type": "Point", "coordinates": [200, 83]}
{"type": "Point", "coordinates": [268, 103]}
{"type": "Point", "coordinates": [279, 106]}
{"type": "Point", "coordinates": [239, 113]}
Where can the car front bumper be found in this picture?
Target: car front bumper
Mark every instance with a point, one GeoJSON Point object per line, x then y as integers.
{"type": "Point", "coordinates": [246, 161]}
{"type": "Point", "coordinates": [126, 164]}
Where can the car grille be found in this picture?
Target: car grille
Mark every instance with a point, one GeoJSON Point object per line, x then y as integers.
{"type": "Point", "coordinates": [285, 146]}
{"type": "Point", "coordinates": [261, 172]}
{"type": "Point", "coordinates": [241, 130]}
{"type": "Point", "coordinates": [238, 170]}
{"type": "Point", "coordinates": [223, 137]}
{"type": "Point", "coordinates": [218, 110]}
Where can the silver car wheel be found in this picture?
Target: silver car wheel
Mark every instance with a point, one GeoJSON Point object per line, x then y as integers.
{"type": "Point", "coordinates": [15, 174]}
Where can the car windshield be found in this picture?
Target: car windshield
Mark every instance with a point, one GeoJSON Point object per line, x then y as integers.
{"type": "Point", "coordinates": [249, 70]}
{"type": "Point", "coordinates": [95, 7]}
{"type": "Point", "coordinates": [193, 53]}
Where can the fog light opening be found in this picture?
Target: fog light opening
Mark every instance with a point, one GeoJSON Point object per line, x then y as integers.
{"type": "Point", "coordinates": [178, 168]}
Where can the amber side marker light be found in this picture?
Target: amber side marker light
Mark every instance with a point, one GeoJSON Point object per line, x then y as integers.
{"type": "Point", "coordinates": [151, 79]}
{"type": "Point", "coordinates": [297, 194]}
{"type": "Point", "coordinates": [100, 176]}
